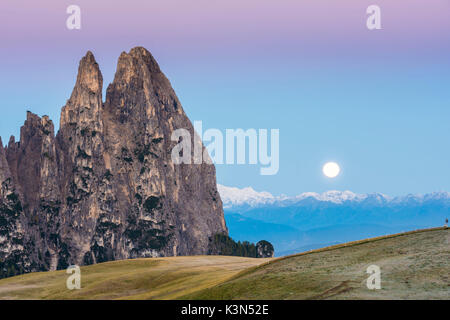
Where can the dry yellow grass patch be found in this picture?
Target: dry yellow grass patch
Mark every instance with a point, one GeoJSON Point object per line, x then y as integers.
{"type": "Point", "coordinates": [158, 278]}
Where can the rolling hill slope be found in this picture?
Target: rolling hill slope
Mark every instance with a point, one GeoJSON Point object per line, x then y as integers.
{"type": "Point", "coordinates": [157, 278]}
{"type": "Point", "coordinates": [414, 265]}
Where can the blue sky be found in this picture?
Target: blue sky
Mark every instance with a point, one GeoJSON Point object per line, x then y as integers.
{"type": "Point", "coordinates": [376, 102]}
{"type": "Point", "coordinates": [387, 127]}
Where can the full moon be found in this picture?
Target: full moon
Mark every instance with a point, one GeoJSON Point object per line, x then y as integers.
{"type": "Point", "coordinates": [331, 169]}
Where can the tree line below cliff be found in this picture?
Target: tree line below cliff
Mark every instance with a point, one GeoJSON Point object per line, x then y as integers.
{"type": "Point", "coordinates": [222, 244]}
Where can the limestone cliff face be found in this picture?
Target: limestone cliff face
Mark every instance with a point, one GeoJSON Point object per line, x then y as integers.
{"type": "Point", "coordinates": [105, 187]}
{"type": "Point", "coordinates": [13, 254]}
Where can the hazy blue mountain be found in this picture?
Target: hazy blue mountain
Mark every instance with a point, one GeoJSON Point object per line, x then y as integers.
{"type": "Point", "coordinates": [288, 240]}
{"type": "Point", "coordinates": [310, 220]}
{"type": "Point", "coordinates": [282, 237]}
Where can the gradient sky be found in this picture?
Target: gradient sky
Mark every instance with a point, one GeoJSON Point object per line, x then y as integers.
{"type": "Point", "coordinates": [377, 102]}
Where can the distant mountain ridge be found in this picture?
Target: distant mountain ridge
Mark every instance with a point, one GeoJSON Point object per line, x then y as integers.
{"type": "Point", "coordinates": [247, 197]}
{"type": "Point", "coordinates": [312, 220]}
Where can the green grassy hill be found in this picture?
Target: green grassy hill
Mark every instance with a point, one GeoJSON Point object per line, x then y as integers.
{"type": "Point", "coordinates": [158, 278]}
{"type": "Point", "coordinates": [414, 265]}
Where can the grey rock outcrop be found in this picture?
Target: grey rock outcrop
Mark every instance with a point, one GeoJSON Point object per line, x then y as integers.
{"type": "Point", "coordinates": [105, 188]}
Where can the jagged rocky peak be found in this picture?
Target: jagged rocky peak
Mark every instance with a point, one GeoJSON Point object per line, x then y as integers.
{"type": "Point", "coordinates": [89, 77]}
{"type": "Point", "coordinates": [138, 62]}
{"type": "Point", "coordinates": [14, 257]}
{"type": "Point", "coordinates": [106, 188]}
{"type": "Point", "coordinates": [4, 168]}
{"type": "Point", "coordinates": [139, 75]}
{"type": "Point", "coordinates": [29, 160]}
{"type": "Point", "coordinates": [11, 142]}
{"type": "Point", "coordinates": [35, 127]}
{"type": "Point", "coordinates": [86, 100]}
{"type": "Point", "coordinates": [2, 147]}
{"type": "Point", "coordinates": [137, 56]}
{"type": "Point", "coordinates": [5, 175]}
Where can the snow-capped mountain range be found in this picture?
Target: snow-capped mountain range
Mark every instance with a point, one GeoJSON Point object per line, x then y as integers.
{"type": "Point", "coordinates": [248, 197]}
{"type": "Point", "coordinates": [311, 220]}
{"type": "Point", "coordinates": [232, 196]}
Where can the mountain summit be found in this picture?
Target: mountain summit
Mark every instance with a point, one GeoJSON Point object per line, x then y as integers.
{"type": "Point", "coordinates": [105, 188]}
{"type": "Point", "coordinates": [233, 198]}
